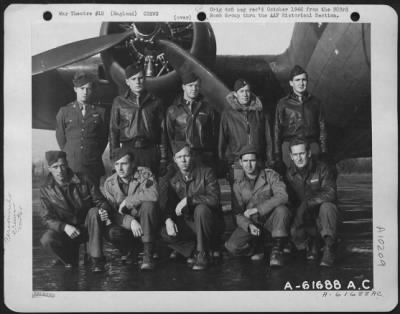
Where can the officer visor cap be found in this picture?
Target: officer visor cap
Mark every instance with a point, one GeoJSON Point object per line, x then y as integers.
{"type": "Point", "coordinates": [81, 78]}
{"type": "Point", "coordinates": [53, 156]}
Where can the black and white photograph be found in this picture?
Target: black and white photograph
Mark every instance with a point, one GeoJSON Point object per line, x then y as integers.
{"type": "Point", "coordinates": [240, 157]}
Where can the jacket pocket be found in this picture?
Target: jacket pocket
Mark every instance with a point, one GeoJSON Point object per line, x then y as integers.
{"type": "Point", "coordinates": [126, 116]}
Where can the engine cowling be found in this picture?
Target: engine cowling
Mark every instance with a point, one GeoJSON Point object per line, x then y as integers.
{"type": "Point", "coordinates": [142, 48]}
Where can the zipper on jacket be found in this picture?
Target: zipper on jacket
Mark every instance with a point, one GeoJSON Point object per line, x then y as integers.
{"type": "Point", "coordinates": [187, 182]}
{"type": "Point", "coordinates": [248, 128]}
{"type": "Point", "coordinates": [193, 127]}
{"type": "Point", "coordinates": [142, 116]}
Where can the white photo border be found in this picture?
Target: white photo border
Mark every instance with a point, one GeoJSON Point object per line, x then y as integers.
{"type": "Point", "coordinates": [18, 181]}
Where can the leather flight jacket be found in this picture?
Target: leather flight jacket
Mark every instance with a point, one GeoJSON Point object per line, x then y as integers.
{"type": "Point", "coordinates": [314, 184]}
{"type": "Point", "coordinates": [200, 187]}
{"type": "Point", "coordinates": [195, 124]}
{"type": "Point", "coordinates": [139, 122]}
{"type": "Point", "coordinates": [299, 118]}
{"type": "Point", "coordinates": [69, 206]}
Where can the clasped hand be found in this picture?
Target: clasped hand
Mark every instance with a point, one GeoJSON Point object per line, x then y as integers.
{"type": "Point", "coordinates": [71, 231]}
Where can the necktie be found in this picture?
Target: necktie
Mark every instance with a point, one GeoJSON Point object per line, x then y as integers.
{"type": "Point", "coordinates": [189, 104]}
{"type": "Point", "coordinates": [83, 110]}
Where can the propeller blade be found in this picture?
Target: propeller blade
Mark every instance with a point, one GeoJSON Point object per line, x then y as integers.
{"type": "Point", "coordinates": [182, 61]}
{"type": "Point", "coordinates": [74, 52]}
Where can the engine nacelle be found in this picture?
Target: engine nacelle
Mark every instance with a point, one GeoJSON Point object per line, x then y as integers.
{"type": "Point", "coordinates": [141, 48]}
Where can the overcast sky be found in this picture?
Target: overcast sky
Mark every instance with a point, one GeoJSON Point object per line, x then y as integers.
{"type": "Point", "coordinates": [232, 38]}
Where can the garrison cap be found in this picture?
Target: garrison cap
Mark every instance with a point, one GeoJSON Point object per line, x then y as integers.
{"type": "Point", "coordinates": [248, 149]}
{"type": "Point", "coordinates": [296, 70]}
{"type": "Point", "coordinates": [121, 152]}
{"type": "Point", "coordinates": [132, 70]}
{"type": "Point", "coordinates": [189, 77]}
{"type": "Point", "coordinates": [53, 156]}
{"type": "Point", "coordinates": [240, 83]}
{"type": "Point", "coordinates": [178, 146]}
{"type": "Point", "coordinates": [81, 78]}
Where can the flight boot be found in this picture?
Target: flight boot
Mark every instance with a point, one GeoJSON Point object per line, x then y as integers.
{"type": "Point", "coordinates": [98, 264]}
{"type": "Point", "coordinates": [313, 248]}
{"type": "Point", "coordinates": [201, 262]}
{"type": "Point", "coordinates": [148, 262]}
{"type": "Point", "coordinates": [328, 256]}
{"type": "Point", "coordinates": [276, 259]}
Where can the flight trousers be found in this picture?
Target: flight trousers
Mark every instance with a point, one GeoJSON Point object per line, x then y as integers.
{"type": "Point", "coordinates": [67, 249]}
{"type": "Point", "coordinates": [198, 231]}
{"type": "Point", "coordinates": [277, 222]}
{"type": "Point", "coordinates": [321, 220]}
{"type": "Point", "coordinates": [148, 216]}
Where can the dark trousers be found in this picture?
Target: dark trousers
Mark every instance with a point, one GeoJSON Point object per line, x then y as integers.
{"type": "Point", "coordinates": [149, 218]}
{"type": "Point", "coordinates": [196, 231]}
{"type": "Point", "coordinates": [322, 219]}
{"type": "Point", "coordinates": [67, 249]}
{"type": "Point", "coordinates": [146, 157]}
{"type": "Point", "coordinates": [121, 238]}
{"type": "Point", "coordinates": [241, 242]}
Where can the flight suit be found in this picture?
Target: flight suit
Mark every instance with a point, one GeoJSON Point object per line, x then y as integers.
{"type": "Point", "coordinates": [83, 138]}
